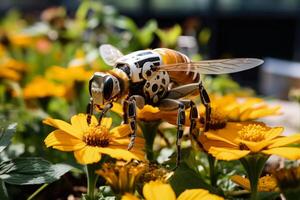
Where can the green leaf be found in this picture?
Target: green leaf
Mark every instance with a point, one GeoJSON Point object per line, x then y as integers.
{"type": "Point", "coordinates": [145, 35]}
{"type": "Point", "coordinates": [267, 195]}
{"type": "Point", "coordinates": [127, 24]}
{"type": "Point", "coordinates": [169, 37]}
{"type": "Point", "coordinates": [6, 135]}
{"type": "Point", "coordinates": [204, 36]}
{"type": "Point", "coordinates": [186, 178]}
{"type": "Point", "coordinates": [105, 193]}
{"type": "Point", "coordinates": [26, 171]}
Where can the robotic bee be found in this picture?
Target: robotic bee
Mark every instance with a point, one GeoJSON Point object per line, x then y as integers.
{"type": "Point", "coordinates": [159, 77]}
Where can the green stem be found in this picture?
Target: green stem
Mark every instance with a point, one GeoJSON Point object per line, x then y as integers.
{"type": "Point", "coordinates": [254, 165]}
{"type": "Point", "coordinates": [91, 180]}
{"type": "Point", "coordinates": [37, 191]}
{"type": "Point", "coordinates": [149, 132]}
{"type": "Point", "coordinates": [212, 170]}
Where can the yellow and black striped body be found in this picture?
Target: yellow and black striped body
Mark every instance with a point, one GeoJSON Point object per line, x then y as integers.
{"type": "Point", "coordinates": [170, 56]}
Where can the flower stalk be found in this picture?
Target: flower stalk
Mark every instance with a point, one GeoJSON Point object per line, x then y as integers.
{"type": "Point", "coordinates": [92, 178]}
{"type": "Point", "coordinates": [212, 170]}
{"type": "Point", "coordinates": [253, 164]}
{"type": "Point", "coordinates": [149, 130]}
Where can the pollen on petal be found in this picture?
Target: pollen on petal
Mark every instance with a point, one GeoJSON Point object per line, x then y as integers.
{"type": "Point", "coordinates": [253, 133]}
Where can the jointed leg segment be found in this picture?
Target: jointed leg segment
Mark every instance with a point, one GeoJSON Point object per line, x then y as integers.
{"type": "Point", "coordinates": [90, 110]}
{"type": "Point", "coordinates": [169, 105]}
{"type": "Point", "coordinates": [206, 102]}
{"type": "Point", "coordinates": [129, 117]}
{"type": "Point", "coordinates": [104, 111]}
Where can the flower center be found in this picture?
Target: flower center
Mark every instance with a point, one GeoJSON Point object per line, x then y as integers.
{"type": "Point", "coordinates": [253, 133]}
{"type": "Point", "coordinates": [97, 136]}
{"type": "Point", "coordinates": [217, 120]}
{"type": "Point", "coordinates": [267, 183]}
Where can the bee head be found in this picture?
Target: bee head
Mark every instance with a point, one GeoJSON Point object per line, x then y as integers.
{"type": "Point", "coordinates": [103, 88]}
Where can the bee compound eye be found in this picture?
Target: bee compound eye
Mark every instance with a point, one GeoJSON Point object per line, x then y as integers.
{"type": "Point", "coordinates": [108, 87]}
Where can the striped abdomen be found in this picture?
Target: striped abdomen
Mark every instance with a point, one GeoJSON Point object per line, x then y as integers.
{"type": "Point", "coordinates": [170, 56]}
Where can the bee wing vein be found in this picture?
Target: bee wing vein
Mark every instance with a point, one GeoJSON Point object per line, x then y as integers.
{"type": "Point", "coordinates": [221, 66]}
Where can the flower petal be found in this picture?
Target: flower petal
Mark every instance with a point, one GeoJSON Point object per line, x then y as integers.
{"type": "Point", "coordinates": [241, 181]}
{"type": "Point", "coordinates": [249, 103]}
{"type": "Point", "coordinates": [117, 108]}
{"type": "Point", "coordinates": [138, 142]}
{"type": "Point", "coordinates": [79, 122]}
{"type": "Point", "coordinates": [196, 194]}
{"type": "Point", "coordinates": [255, 146]}
{"type": "Point", "coordinates": [291, 153]}
{"type": "Point", "coordinates": [156, 190]}
{"type": "Point", "coordinates": [64, 126]}
{"type": "Point", "coordinates": [216, 137]}
{"type": "Point", "coordinates": [206, 143]}
{"type": "Point", "coordinates": [282, 141]}
{"type": "Point", "coordinates": [259, 112]}
{"type": "Point", "coordinates": [106, 122]}
{"type": "Point", "coordinates": [229, 134]}
{"type": "Point", "coordinates": [121, 131]}
{"type": "Point", "coordinates": [274, 132]}
{"type": "Point", "coordinates": [233, 114]}
{"type": "Point", "coordinates": [121, 153]}
{"type": "Point", "coordinates": [227, 154]}
{"type": "Point", "coordinates": [87, 155]}
{"type": "Point", "coordinates": [129, 196]}
{"type": "Point", "coordinates": [148, 109]}
{"type": "Point", "coordinates": [62, 141]}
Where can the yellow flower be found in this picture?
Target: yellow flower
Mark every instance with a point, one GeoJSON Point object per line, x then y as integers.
{"type": "Point", "coordinates": [129, 196]}
{"type": "Point", "coordinates": [9, 74]}
{"type": "Point", "coordinates": [40, 87]}
{"type": "Point", "coordinates": [155, 172]}
{"type": "Point", "coordinates": [72, 77]}
{"type": "Point", "coordinates": [88, 142]}
{"type": "Point", "coordinates": [11, 68]}
{"type": "Point", "coordinates": [241, 109]}
{"type": "Point", "coordinates": [68, 75]}
{"type": "Point", "coordinates": [156, 190]}
{"type": "Point", "coordinates": [265, 184]}
{"type": "Point", "coordinates": [3, 50]}
{"type": "Point", "coordinates": [13, 64]}
{"type": "Point", "coordinates": [149, 113]}
{"type": "Point", "coordinates": [121, 176]}
{"type": "Point", "coordinates": [200, 194]}
{"type": "Point", "coordinates": [225, 108]}
{"type": "Point", "coordinates": [237, 140]}
{"type": "Point", "coordinates": [21, 39]}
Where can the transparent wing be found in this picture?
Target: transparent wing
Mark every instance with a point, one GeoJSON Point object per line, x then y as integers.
{"type": "Point", "coordinates": [222, 66]}
{"type": "Point", "coordinates": [110, 54]}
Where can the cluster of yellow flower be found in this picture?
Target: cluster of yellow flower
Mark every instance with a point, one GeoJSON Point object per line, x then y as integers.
{"type": "Point", "coordinates": [238, 138]}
